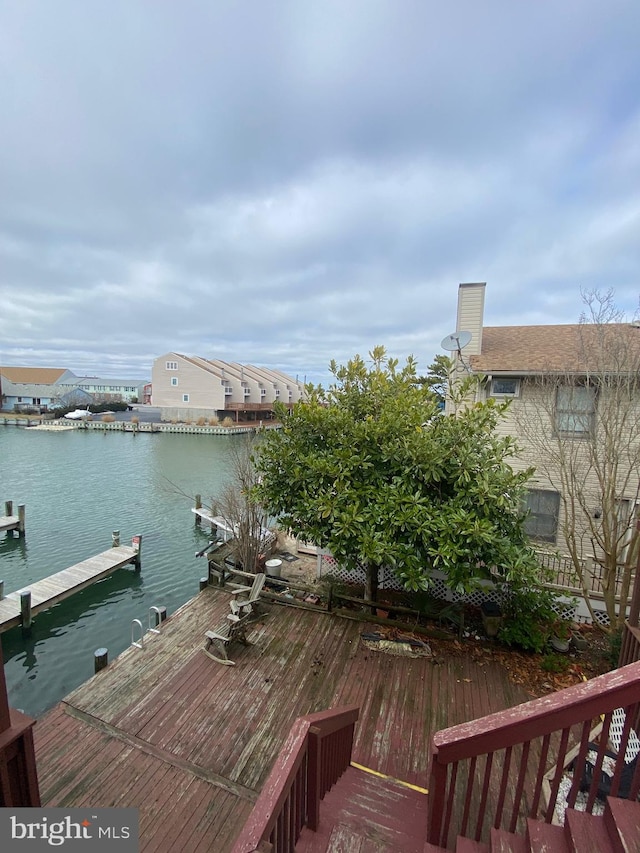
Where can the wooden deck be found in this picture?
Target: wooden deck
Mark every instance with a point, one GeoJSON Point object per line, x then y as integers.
{"type": "Point", "coordinates": [55, 588]}
{"type": "Point", "coordinates": [190, 743]}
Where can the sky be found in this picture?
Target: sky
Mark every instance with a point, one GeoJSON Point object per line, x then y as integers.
{"type": "Point", "coordinates": [286, 182]}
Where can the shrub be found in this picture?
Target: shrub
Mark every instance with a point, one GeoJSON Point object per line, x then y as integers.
{"type": "Point", "coordinates": [135, 420]}
{"type": "Point", "coordinates": [214, 421]}
{"type": "Point", "coordinates": [107, 419]}
{"type": "Point", "coordinates": [528, 616]}
{"type": "Point", "coordinates": [201, 421]}
{"type": "Point", "coordinates": [227, 422]}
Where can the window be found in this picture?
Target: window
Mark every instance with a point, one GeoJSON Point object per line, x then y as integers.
{"type": "Point", "coordinates": [172, 365]}
{"type": "Point", "coordinates": [575, 408]}
{"type": "Point", "coordinates": [505, 387]}
{"type": "Point", "coordinates": [185, 398]}
{"type": "Point", "coordinates": [543, 508]}
{"type": "Point", "coordinates": [174, 380]}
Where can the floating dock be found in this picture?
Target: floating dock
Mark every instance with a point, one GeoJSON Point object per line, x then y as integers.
{"type": "Point", "coordinates": [45, 593]}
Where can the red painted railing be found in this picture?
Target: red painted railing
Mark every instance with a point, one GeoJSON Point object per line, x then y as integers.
{"type": "Point", "coordinates": [490, 772]}
{"type": "Point", "coordinates": [314, 756]}
{"type": "Point", "coordinates": [630, 649]}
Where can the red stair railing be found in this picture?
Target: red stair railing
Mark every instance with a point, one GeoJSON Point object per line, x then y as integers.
{"type": "Point", "coordinates": [314, 756]}
{"type": "Point", "coordinates": [490, 772]}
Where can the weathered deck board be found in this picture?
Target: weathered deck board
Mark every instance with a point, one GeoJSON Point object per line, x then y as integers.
{"type": "Point", "coordinates": [190, 742]}
{"type": "Point", "coordinates": [9, 522]}
{"type": "Point", "coordinates": [49, 591]}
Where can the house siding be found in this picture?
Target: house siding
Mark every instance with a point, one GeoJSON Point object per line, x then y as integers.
{"type": "Point", "coordinates": [471, 314]}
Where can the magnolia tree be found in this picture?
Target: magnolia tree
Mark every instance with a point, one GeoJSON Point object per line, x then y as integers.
{"type": "Point", "coordinates": [582, 424]}
{"type": "Point", "coordinates": [371, 470]}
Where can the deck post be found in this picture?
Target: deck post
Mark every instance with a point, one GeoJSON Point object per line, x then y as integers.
{"type": "Point", "coordinates": [198, 506]}
{"type": "Point", "coordinates": [161, 617]}
{"type": "Point", "coordinates": [18, 773]}
{"type": "Point", "coordinates": [5, 716]}
{"type": "Point", "coordinates": [25, 611]}
{"type": "Point", "coordinates": [100, 659]}
{"type": "Point", "coordinates": [204, 583]}
{"type": "Point", "coordinates": [115, 539]}
{"type": "Point", "coordinates": [21, 515]}
{"type": "Point", "coordinates": [8, 507]}
{"type": "Point", "coordinates": [314, 777]}
{"type": "Point", "coordinates": [1, 590]}
{"type": "Point", "coordinates": [136, 543]}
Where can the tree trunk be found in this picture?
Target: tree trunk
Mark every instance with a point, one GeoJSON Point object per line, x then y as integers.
{"type": "Point", "coordinates": [371, 585]}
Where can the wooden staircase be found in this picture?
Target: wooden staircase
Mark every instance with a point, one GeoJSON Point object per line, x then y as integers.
{"type": "Point", "coordinates": [617, 831]}
{"type": "Point", "coordinates": [364, 813]}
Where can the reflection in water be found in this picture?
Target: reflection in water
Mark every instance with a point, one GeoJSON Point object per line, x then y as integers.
{"type": "Point", "coordinates": [10, 543]}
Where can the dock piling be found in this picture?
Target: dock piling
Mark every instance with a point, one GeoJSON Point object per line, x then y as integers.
{"type": "Point", "coordinates": [204, 583]}
{"type": "Point", "coordinates": [100, 659]}
{"type": "Point", "coordinates": [115, 539]}
{"type": "Point", "coordinates": [1, 590]}
{"type": "Point", "coordinates": [136, 542]}
{"type": "Point", "coordinates": [8, 507]}
{"type": "Point", "coordinates": [198, 506]}
{"type": "Point", "coordinates": [25, 611]}
{"type": "Point", "coordinates": [21, 519]}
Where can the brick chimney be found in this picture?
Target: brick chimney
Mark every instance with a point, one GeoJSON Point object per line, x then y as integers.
{"type": "Point", "coordinates": [470, 314]}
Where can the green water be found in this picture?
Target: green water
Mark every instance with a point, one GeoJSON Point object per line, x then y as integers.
{"type": "Point", "coordinates": [78, 486]}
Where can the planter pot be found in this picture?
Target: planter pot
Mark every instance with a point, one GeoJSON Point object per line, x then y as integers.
{"type": "Point", "coordinates": [558, 644]}
{"type": "Point", "coordinates": [382, 614]}
{"type": "Point", "coordinates": [491, 618]}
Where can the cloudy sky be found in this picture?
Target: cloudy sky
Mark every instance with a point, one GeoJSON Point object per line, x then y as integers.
{"type": "Point", "coordinates": [282, 182]}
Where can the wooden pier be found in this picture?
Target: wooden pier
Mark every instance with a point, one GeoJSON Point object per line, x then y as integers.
{"type": "Point", "coordinates": [9, 521]}
{"type": "Point", "coordinates": [18, 607]}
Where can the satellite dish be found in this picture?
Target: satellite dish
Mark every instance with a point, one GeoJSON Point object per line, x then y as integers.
{"type": "Point", "coordinates": [456, 341]}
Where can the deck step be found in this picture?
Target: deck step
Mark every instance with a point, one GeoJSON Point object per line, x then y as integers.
{"type": "Point", "coordinates": [368, 814]}
{"type": "Point", "coordinates": [543, 837]}
{"type": "Point", "coordinates": [507, 842]}
{"type": "Point", "coordinates": [622, 819]}
{"type": "Point", "coordinates": [468, 845]}
{"type": "Point", "coordinates": [586, 833]}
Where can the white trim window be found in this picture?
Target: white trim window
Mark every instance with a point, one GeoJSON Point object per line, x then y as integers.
{"type": "Point", "coordinates": [543, 510]}
{"type": "Point", "coordinates": [174, 381]}
{"type": "Point", "coordinates": [505, 386]}
{"type": "Point", "coordinates": [185, 398]}
{"type": "Point", "coordinates": [172, 365]}
{"type": "Point", "coordinates": [575, 409]}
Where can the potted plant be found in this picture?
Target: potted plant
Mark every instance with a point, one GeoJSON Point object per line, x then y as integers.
{"type": "Point", "coordinates": [560, 637]}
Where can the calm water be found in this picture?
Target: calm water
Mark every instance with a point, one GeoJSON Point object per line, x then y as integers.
{"type": "Point", "coordinates": [77, 487]}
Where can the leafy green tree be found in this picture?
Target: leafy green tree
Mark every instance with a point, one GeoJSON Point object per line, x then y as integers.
{"type": "Point", "coordinates": [373, 471]}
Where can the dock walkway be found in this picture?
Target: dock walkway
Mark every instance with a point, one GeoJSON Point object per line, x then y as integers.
{"type": "Point", "coordinates": [9, 522]}
{"type": "Point", "coordinates": [55, 588]}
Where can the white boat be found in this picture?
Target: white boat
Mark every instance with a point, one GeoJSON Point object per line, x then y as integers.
{"type": "Point", "coordinates": [78, 414]}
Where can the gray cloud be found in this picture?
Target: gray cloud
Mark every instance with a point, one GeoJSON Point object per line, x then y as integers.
{"type": "Point", "coordinates": [288, 182]}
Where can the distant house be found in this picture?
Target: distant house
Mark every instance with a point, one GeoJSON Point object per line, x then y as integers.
{"type": "Point", "coordinates": [110, 390]}
{"type": "Point", "coordinates": [187, 387]}
{"type": "Point", "coordinates": [45, 388]}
